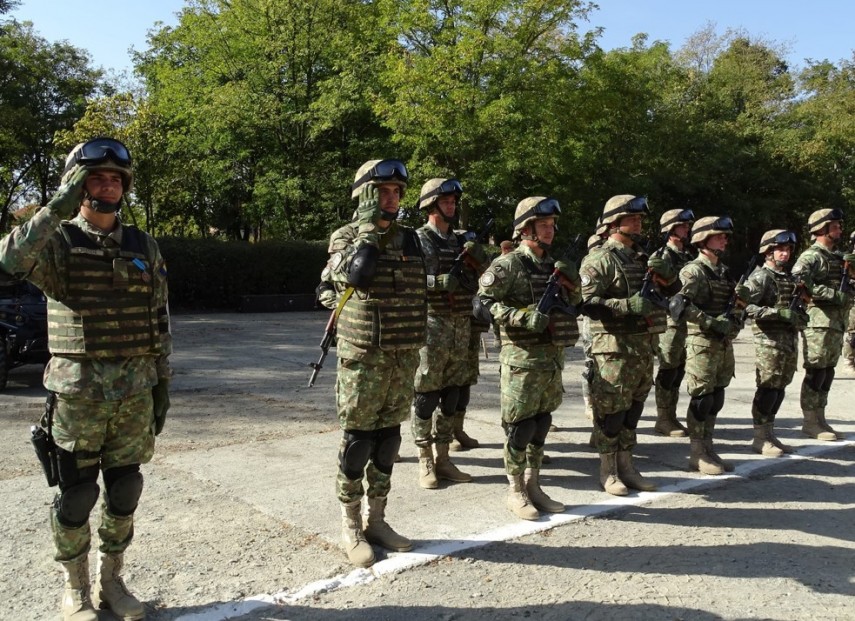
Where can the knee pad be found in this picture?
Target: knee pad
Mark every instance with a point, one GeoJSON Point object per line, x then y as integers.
{"type": "Point", "coordinates": [463, 397]}
{"type": "Point", "coordinates": [123, 487]}
{"type": "Point", "coordinates": [815, 378]}
{"type": "Point", "coordinates": [611, 424]}
{"type": "Point", "coordinates": [73, 504]}
{"type": "Point", "coordinates": [543, 421]}
{"type": "Point", "coordinates": [700, 407]}
{"type": "Point", "coordinates": [667, 378]}
{"type": "Point", "coordinates": [355, 453]}
{"type": "Point", "coordinates": [69, 473]}
{"type": "Point", "coordinates": [633, 414]}
{"type": "Point", "coordinates": [425, 403]}
{"type": "Point", "coordinates": [718, 401]}
{"type": "Point", "coordinates": [520, 434]}
{"type": "Point", "coordinates": [386, 445]}
{"type": "Point", "coordinates": [829, 377]}
{"type": "Point", "coordinates": [449, 396]}
{"type": "Point", "coordinates": [764, 400]}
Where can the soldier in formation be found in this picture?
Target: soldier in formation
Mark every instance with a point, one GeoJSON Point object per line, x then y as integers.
{"type": "Point", "coordinates": [849, 342]}
{"type": "Point", "coordinates": [108, 333]}
{"type": "Point", "coordinates": [533, 343]}
{"type": "Point", "coordinates": [375, 280]}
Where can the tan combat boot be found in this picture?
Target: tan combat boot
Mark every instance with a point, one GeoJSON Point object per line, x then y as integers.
{"type": "Point", "coordinates": [711, 452]}
{"type": "Point", "coordinates": [112, 594]}
{"type": "Point", "coordinates": [824, 424]}
{"type": "Point", "coordinates": [763, 441]}
{"type": "Point", "coordinates": [785, 448]}
{"type": "Point", "coordinates": [518, 501]}
{"type": "Point", "coordinates": [699, 459]}
{"type": "Point", "coordinates": [609, 479]}
{"type": "Point", "coordinates": [353, 540]}
{"type": "Point", "coordinates": [630, 476]}
{"type": "Point", "coordinates": [812, 428]}
{"type": "Point", "coordinates": [668, 425]}
{"type": "Point", "coordinates": [76, 604]}
{"type": "Point", "coordinates": [427, 471]}
{"type": "Point", "coordinates": [379, 532]}
{"type": "Point", "coordinates": [537, 496]}
{"type": "Point", "coordinates": [462, 440]}
{"type": "Point", "coordinates": [445, 469]}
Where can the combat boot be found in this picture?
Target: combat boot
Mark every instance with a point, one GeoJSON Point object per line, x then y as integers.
{"type": "Point", "coordinates": [630, 476]}
{"type": "Point", "coordinates": [379, 532]}
{"type": "Point", "coordinates": [824, 424]}
{"type": "Point", "coordinates": [462, 440]}
{"type": "Point", "coordinates": [537, 496]}
{"type": "Point", "coordinates": [763, 441]}
{"type": "Point", "coordinates": [427, 471]}
{"type": "Point", "coordinates": [699, 459]}
{"type": "Point", "coordinates": [711, 452]}
{"type": "Point", "coordinates": [667, 424]}
{"type": "Point", "coordinates": [445, 469]}
{"type": "Point", "coordinates": [785, 448]}
{"type": "Point", "coordinates": [812, 428]}
{"type": "Point", "coordinates": [518, 501]}
{"type": "Point", "coordinates": [112, 594]}
{"type": "Point", "coordinates": [356, 547]}
{"type": "Point", "coordinates": [76, 604]}
{"type": "Point", "coordinates": [609, 479]}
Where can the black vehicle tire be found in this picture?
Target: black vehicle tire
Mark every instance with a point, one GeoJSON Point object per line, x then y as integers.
{"type": "Point", "coordinates": [4, 363]}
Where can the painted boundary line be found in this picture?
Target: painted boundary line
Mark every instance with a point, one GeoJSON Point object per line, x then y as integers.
{"type": "Point", "coordinates": [408, 560]}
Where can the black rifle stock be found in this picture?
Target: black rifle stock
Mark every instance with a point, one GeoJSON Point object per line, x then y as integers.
{"type": "Point", "coordinates": [731, 304]}
{"type": "Point", "coordinates": [551, 298]}
{"type": "Point", "coordinates": [456, 269]}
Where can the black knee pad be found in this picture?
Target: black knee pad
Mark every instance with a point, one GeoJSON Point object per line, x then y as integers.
{"type": "Point", "coordinates": [611, 424]}
{"type": "Point", "coordinates": [356, 452]}
{"type": "Point", "coordinates": [387, 441]}
{"type": "Point", "coordinates": [69, 473]}
{"type": "Point", "coordinates": [829, 377]}
{"type": "Point", "coordinates": [74, 503]}
{"type": "Point", "coordinates": [463, 397]}
{"type": "Point", "coordinates": [700, 407]}
{"type": "Point", "coordinates": [779, 399]}
{"type": "Point", "coordinates": [425, 403]}
{"type": "Point", "coordinates": [718, 401]}
{"type": "Point", "coordinates": [815, 379]}
{"type": "Point", "coordinates": [543, 421]}
{"type": "Point", "coordinates": [449, 396]}
{"type": "Point", "coordinates": [764, 400]}
{"type": "Point", "coordinates": [667, 378]}
{"type": "Point", "coordinates": [521, 433]}
{"type": "Point", "coordinates": [680, 375]}
{"type": "Point", "coordinates": [633, 414]}
{"type": "Point", "coordinates": [123, 487]}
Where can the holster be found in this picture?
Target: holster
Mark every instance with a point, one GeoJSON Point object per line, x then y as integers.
{"type": "Point", "coordinates": [42, 439]}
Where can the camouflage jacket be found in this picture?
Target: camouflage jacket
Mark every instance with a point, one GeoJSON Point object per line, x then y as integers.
{"type": "Point", "coordinates": [771, 291]}
{"type": "Point", "coordinates": [821, 270]}
{"type": "Point", "coordinates": [707, 289]}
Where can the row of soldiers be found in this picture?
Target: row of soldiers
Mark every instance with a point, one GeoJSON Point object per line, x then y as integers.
{"type": "Point", "coordinates": [409, 319]}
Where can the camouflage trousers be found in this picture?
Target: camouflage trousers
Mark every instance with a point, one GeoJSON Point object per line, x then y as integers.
{"type": "Point", "coordinates": [709, 364]}
{"type": "Point", "coordinates": [105, 434]}
{"type": "Point", "coordinates": [444, 360]}
{"type": "Point", "coordinates": [374, 391]}
{"type": "Point", "coordinates": [672, 355]}
{"type": "Point", "coordinates": [821, 349]}
{"type": "Point", "coordinates": [524, 394]}
{"type": "Point", "coordinates": [775, 363]}
{"type": "Point", "coordinates": [587, 372]}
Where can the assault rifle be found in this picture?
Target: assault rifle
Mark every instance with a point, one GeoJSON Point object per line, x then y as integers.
{"type": "Point", "coordinates": [731, 305]}
{"type": "Point", "coordinates": [456, 269]}
{"type": "Point", "coordinates": [326, 343]}
{"type": "Point", "coordinates": [800, 297]}
{"type": "Point", "coordinates": [648, 286]}
{"type": "Point", "coordinates": [551, 298]}
{"type": "Point", "coordinates": [845, 280]}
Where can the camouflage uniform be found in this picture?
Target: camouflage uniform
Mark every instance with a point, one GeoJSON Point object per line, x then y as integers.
{"type": "Point", "coordinates": [849, 339]}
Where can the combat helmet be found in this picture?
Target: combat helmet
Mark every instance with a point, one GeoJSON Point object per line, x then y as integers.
{"type": "Point", "coordinates": [100, 154]}
{"type": "Point", "coordinates": [380, 171]}
{"type": "Point", "coordinates": [623, 205]}
{"type": "Point", "coordinates": [821, 217]}
{"type": "Point", "coordinates": [675, 217]}
{"type": "Point", "coordinates": [594, 241]}
{"type": "Point", "coordinates": [709, 226]}
{"type": "Point", "coordinates": [602, 230]}
{"type": "Point", "coordinates": [774, 238]}
{"type": "Point", "coordinates": [533, 208]}
{"type": "Point", "coordinates": [434, 188]}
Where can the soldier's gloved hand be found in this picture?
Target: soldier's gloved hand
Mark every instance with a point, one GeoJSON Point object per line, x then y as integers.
{"type": "Point", "coordinates": [69, 195]}
{"type": "Point", "coordinates": [736, 325]}
{"type": "Point", "coordinates": [637, 305]}
{"type": "Point", "coordinates": [476, 252]}
{"type": "Point", "coordinates": [535, 321]}
{"type": "Point", "coordinates": [447, 282]}
{"type": "Point", "coordinates": [721, 325]}
{"type": "Point", "coordinates": [160, 396]}
{"type": "Point", "coordinates": [368, 209]}
{"type": "Point", "coordinates": [743, 293]}
{"type": "Point", "coordinates": [569, 270]}
{"type": "Point", "coordinates": [839, 299]}
{"type": "Point", "coordinates": [662, 268]}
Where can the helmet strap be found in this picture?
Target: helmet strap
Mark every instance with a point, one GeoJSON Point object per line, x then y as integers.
{"type": "Point", "coordinates": [103, 206]}
{"type": "Point", "coordinates": [389, 217]}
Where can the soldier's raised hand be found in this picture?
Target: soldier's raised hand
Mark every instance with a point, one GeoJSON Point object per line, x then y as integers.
{"type": "Point", "coordinates": [69, 195]}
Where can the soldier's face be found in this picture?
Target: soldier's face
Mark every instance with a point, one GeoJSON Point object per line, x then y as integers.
{"type": "Point", "coordinates": [835, 230]}
{"type": "Point", "coordinates": [104, 185]}
{"type": "Point", "coordinates": [447, 205]}
{"type": "Point", "coordinates": [389, 195]}
{"type": "Point", "coordinates": [717, 242]}
{"type": "Point", "coordinates": [631, 225]}
{"type": "Point", "coordinates": [544, 229]}
{"type": "Point", "coordinates": [681, 231]}
{"type": "Point", "coordinates": [782, 254]}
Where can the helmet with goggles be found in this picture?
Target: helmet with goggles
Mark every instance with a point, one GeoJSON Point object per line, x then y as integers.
{"type": "Point", "coordinates": [819, 219]}
{"type": "Point", "coordinates": [534, 208]}
{"type": "Point", "coordinates": [709, 226]}
{"type": "Point", "coordinates": [774, 238]}
{"type": "Point", "coordinates": [100, 154]}
{"type": "Point", "coordinates": [675, 217]}
{"type": "Point", "coordinates": [434, 188]}
{"type": "Point", "coordinates": [379, 172]}
{"type": "Point", "coordinates": [623, 205]}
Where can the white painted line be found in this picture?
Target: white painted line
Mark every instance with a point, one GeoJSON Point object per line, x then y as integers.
{"type": "Point", "coordinates": [422, 556]}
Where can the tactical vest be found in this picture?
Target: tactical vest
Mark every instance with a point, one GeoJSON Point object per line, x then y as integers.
{"type": "Point", "coordinates": [784, 287]}
{"type": "Point", "coordinates": [633, 272]}
{"type": "Point", "coordinates": [107, 311]}
{"type": "Point", "coordinates": [832, 272]}
{"type": "Point", "coordinates": [391, 314]}
{"type": "Point", "coordinates": [677, 260]}
{"type": "Point", "coordinates": [720, 291]}
{"type": "Point", "coordinates": [562, 331]}
{"type": "Point", "coordinates": [459, 301]}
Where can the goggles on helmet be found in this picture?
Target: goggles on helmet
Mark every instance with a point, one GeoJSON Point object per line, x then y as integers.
{"type": "Point", "coordinates": [687, 215]}
{"type": "Point", "coordinates": [785, 237]}
{"type": "Point", "coordinates": [723, 224]}
{"type": "Point", "coordinates": [449, 186]}
{"type": "Point", "coordinates": [545, 208]}
{"type": "Point", "coordinates": [632, 206]}
{"type": "Point", "coordinates": [385, 170]}
{"type": "Point", "coordinates": [100, 150]}
{"type": "Point", "coordinates": [831, 216]}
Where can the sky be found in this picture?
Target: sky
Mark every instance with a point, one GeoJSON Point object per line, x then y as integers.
{"type": "Point", "coordinates": [817, 29]}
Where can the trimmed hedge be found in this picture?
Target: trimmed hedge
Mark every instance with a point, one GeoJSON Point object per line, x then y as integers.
{"type": "Point", "coordinates": [213, 274]}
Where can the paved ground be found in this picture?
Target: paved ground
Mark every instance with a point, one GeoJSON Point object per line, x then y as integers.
{"type": "Point", "coordinates": [239, 518]}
